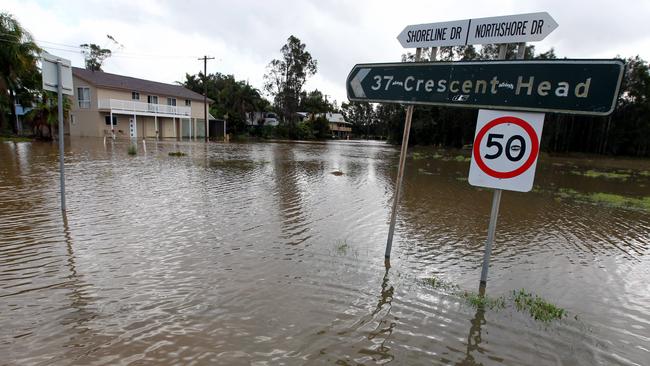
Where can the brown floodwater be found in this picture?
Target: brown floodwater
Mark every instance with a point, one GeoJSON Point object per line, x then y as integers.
{"type": "Point", "coordinates": [257, 254]}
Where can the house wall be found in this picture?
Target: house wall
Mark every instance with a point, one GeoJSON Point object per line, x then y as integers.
{"type": "Point", "coordinates": [90, 122]}
{"type": "Point", "coordinates": [167, 129]}
{"type": "Point", "coordinates": [86, 121]}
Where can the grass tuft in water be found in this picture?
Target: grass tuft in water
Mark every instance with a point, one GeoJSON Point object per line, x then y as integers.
{"type": "Point", "coordinates": [342, 247]}
{"type": "Point", "coordinates": [482, 302]}
{"type": "Point", "coordinates": [536, 306]}
{"type": "Point", "coordinates": [132, 150]}
{"type": "Point", "coordinates": [176, 153]}
{"type": "Point", "coordinates": [437, 283]}
{"type": "Point", "coordinates": [337, 173]}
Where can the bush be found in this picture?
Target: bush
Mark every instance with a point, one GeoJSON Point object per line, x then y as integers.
{"type": "Point", "coordinates": [321, 128]}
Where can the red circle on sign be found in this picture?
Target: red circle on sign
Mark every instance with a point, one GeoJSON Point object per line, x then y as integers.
{"type": "Point", "coordinates": [513, 173]}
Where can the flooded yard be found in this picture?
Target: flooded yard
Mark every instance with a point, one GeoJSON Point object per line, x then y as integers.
{"type": "Point", "coordinates": [273, 253]}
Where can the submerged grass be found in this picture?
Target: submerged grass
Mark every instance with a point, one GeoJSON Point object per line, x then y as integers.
{"type": "Point", "coordinates": [522, 300]}
{"type": "Point", "coordinates": [342, 247]}
{"type": "Point", "coordinates": [15, 139]}
{"type": "Point", "coordinates": [600, 174]}
{"type": "Point", "coordinates": [536, 306]}
{"type": "Point", "coordinates": [608, 199]}
{"type": "Point", "coordinates": [439, 284]}
{"type": "Point", "coordinates": [482, 302]}
{"type": "Point", "coordinates": [176, 153]}
{"type": "Point", "coordinates": [416, 155]}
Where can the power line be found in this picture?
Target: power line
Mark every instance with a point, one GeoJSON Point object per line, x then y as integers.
{"type": "Point", "coordinates": [78, 49]}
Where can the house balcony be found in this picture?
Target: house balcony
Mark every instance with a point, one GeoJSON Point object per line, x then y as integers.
{"type": "Point", "coordinates": [131, 107]}
{"type": "Point", "coordinates": [334, 127]}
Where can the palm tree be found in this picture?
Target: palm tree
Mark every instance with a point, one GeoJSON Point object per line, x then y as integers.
{"type": "Point", "coordinates": [18, 56]}
{"type": "Point", "coordinates": [44, 116]}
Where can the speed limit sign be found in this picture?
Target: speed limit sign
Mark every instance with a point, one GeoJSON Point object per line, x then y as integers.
{"type": "Point", "coordinates": [505, 150]}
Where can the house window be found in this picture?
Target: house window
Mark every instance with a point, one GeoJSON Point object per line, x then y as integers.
{"type": "Point", "coordinates": [188, 102]}
{"type": "Point", "coordinates": [171, 101]}
{"type": "Point", "coordinates": [83, 97]}
{"type": "Point", "coordinates": [152, 99]}
{"type": "Point", "coordinates": [135, 95]}
{"type": "Point", "coordinates": [107, 119]}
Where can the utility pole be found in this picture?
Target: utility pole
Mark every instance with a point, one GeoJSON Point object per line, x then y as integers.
{"type": "Point", "coordinates": [205, 93]}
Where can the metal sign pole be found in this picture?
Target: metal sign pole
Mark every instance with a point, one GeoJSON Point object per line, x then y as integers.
{"type": "Point", "coordinates": [61, 132]}
{"type": "Point", "coordinates": [496, 198]}
{"type": "Point", "coordinates": [494, 214]}
{"type": "Point", "coordinates": [400, 169]}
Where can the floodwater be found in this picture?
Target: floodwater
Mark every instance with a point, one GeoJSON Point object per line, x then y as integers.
{"type": "Point", "coordinates": [256, 254]}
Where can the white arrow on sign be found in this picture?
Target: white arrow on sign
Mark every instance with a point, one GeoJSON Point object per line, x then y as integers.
{"type": "Point", "coordinates": [528, 27]}
{"type": "Point", "coordinates": [355, 83]}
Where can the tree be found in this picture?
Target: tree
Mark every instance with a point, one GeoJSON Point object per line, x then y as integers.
{"type": "Point", "coordinates": [285, 77]}
{"type": "Point", "coordinates": [321, 127]}
{"type": "Point", "coordinates": [231, 97]}
{"type": "Point", "coordinates": [44, 117]}
{"type": "Point", "coordinates": [19, 75]}
{"type": "Point", "coordinates": [314, 103]}
{"type": "Point", "coordinates": [362, 117]}
{"type": "Point", "coordinates": [94, 55]}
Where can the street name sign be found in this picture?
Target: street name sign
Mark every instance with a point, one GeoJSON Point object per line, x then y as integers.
{"type": "Point", "coordinates": [50, 71]}
{"type": "Point", "coordinates": [530, 27]}
{"type": "Point", "coordinates": [505, 150]}
{"type": "Point", "coordinates": [563, 86]}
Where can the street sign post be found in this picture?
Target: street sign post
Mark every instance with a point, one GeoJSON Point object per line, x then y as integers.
{"type": "Point", "coordinates": [504, 156]}
{"type": "Point", "coordinates": [516, 28]}
{"type": "Point", "coordinates": [563, 86]}
{"type": "Point", "coordinates": [505, 150]}
{"type": "Point", "coordinates": [57, 76]}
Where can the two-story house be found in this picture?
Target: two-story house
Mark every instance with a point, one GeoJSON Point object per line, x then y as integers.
{"type": "Point", "coordinates": [107, 104]}
{"type": "Point", "coordinates": [338, 125]}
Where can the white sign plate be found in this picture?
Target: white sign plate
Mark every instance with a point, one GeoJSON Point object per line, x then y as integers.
{"type": "Point", "coordinates": [50, 70]}
{"type": "Point", "coordinates": [505, 150]}
{"type": "Point", "coordinates": [530, 27]}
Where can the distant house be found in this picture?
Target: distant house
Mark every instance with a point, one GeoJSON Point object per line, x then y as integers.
{"type": "Point", "coordinates": [339, 127]}
{"type": "Point", "coordinates": [104, 103]}
{"type": "Point", "coordinates": [261, 119]}
{"type": "Point", "coordinates": [21, 112]}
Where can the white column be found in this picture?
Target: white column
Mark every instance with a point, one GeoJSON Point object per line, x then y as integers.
{"type": "Point", "coordinates": [155, 124]}
{"type": "Point", "coordinates": [112, 126]}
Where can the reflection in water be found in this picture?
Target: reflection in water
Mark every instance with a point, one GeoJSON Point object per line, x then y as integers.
{"type": "Point", "coordinates": [228, 255]}
{"type": "Point", "coordinates": [474, 336]}
{"type": "Point", "coordinates": [386, 325]}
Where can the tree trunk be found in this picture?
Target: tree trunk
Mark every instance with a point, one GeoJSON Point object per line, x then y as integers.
{"type": "Point", "coordinates": [14, 118]}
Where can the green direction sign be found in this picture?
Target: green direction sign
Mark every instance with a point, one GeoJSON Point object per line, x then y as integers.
{"type": "Point", "coordinates": [563, 86]}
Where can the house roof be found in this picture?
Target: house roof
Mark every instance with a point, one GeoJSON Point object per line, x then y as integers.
{"type": "Point", "coordinates": [336, 118]}
{"type": "Point", "coordinates": [114, 81]}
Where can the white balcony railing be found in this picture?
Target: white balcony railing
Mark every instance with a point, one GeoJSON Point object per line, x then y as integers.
{"type": "Point", "coordinates": [141, 107]}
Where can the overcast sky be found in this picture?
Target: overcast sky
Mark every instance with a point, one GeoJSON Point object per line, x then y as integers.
{"type": "Point", "coordinates": [163, 39]}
